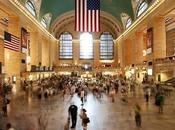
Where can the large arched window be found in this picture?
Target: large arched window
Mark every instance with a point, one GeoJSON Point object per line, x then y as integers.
{"type": "Point", "coordinates": [30, 6]}
{"type": "Point", "coordinates": [141, 8]}
{"type": "Point", "coordinates": [128, 22]}
{"type": "Point", "coordinates": [106, 46]}
{"type": "Point", "coordinates": [66, 46]}
{"type": "Point", "coordinates": [86, 46]}
{"type": "Point", "coordinates": [44, 22]}
{"type": "Point", "coordinates": [46, 19]}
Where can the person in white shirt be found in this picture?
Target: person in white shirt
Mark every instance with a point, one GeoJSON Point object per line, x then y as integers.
{"type": "Point", "coordinates": [72, 90]}
{"type": "Point", "coordinates": [82, 94]}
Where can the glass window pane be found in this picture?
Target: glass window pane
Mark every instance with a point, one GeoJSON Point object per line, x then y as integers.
{"type": "Point", "coordinates": [128, 22]}
{"type": "Point", "coordinates": [43, 22]}
{"type": "Point", "coordinates": [30, 7]}
{"type": "Point", "coordinates": [66, 46]}
{"type": "Point", "coordinates": [142, 7]}
{"type": "Point", "coordinates": [106, 46]}
{"type": "Point", "coordinates": [86, 46]}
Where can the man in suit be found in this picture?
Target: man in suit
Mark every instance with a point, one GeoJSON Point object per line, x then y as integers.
{"type": "Point", "coordinates": [73, 114]}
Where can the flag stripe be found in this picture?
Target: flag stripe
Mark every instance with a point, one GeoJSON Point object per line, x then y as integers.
{"type": "Point", "coordinates": [15, 47]}
{"type": "Point", "coordinates": [89, 23]}
{"type": "Point", "coordinates": [7, 43]}
{"type": "Point", "coordinates": [81, 15]}
{"type": "Point", "coordinates": [77, 15]}
{"type": "Point", "coordinates": [97, 21]}
{"type": "Point", "coordinates": [93, 20]}
{"type": "Point", "coordinates": [11, 48]}
{"type": "Point", "coordinates": [87, 15]}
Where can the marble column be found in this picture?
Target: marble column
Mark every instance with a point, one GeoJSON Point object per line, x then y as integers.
{"type": "Point", "coordinates": [34, 49]}
{"type": "Point", "coordinates": [96, 52]}
{"type": "Point", "coordinates": [45, 51]}
{"type": "Point", "coordinates": [53, 52]}
{"type": "Point", "coordinates": [128, 53]}
{"type": "Point", "coordinates": [159, 38]}
{"type": "Point", "coordinates": [138, 48]}
{"type": "Point", "coordinates": [76, 51]}
{"type": "Point", "coordinates": [115, 63]}
{"type": "Point", "coordinates": [120, 53]}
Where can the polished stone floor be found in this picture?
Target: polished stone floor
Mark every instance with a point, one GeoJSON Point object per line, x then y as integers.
{"type": "Point", "coordinates": [24, 112]}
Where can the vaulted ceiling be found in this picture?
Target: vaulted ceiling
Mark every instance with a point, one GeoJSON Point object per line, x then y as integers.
{"type": "Point", "coordinates": [59, 7]}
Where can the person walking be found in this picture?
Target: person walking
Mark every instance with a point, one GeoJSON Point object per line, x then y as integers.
{"type": "Point", "coordinates": [112, 94]}
{"type": "Point", "coordinates": [137, 111]}
{"type": "Point", "coordinates": [73, 114]}
{"type": "Point", "coordinates": [160, 102]}
{"type": "Point", "coordinates": [85, 119]}
{"type": "Point", "coordinates": [147, 95]}
{"type": "Point", "coordinates": [82, 95]}
{"type": "Point", "coordinates": [6, 101]}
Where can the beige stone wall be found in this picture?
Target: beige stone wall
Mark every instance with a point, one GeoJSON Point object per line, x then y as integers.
{"type": "Point", "coordinates": [96, 52]}
{"type": "Point", "coordinates": [42, 46]}
{"type": "Point", "coordinates": [12, 58]}
{"type": "Point", "coordinates": [1, 51]}
{"type": "Point", "coordinates": [53, 51]}
{"type": "Point", "coordinates": [128, 52]}
{"type": "Point", "coordinates": [3, 27]}
{"type": "Point", "coordinates": [137, 48]}
{"type": "Point", "coordinates": [34, 48]}
{"type": "Point", "coordinates": [120, 53]}
{"type": "Point", "coordinates": [116, 62]}
{"type": "Point", "coordinates": [159, 40]}
{"type": "Point", "coordinates": [170, 42]}
{"type": "Point", "coordinates": [45, 52]}
{"type": "Point", "coordinates": [76, 52]}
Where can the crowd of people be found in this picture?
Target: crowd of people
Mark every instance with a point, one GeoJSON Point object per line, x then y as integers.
{"type": "Point", "coordinates": [71, 85]}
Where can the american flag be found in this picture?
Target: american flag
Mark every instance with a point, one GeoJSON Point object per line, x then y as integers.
{"type": "Point", "coordinates": [87, 15]}
{"type": "Point", "coordinates": [11, 42]}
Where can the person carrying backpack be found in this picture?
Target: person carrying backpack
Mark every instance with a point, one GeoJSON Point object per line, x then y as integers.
{"type": "Point", "coordinates": [160, 102]}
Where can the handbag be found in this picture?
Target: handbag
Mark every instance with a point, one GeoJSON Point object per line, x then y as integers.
{"type": "Point", "coordinates": [86, 120]}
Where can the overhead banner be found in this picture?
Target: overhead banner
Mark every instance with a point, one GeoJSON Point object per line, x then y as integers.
{"type": "Point", "coordinates": [149, 40]}
{"type": "Point", "coordinates": [24, 40]}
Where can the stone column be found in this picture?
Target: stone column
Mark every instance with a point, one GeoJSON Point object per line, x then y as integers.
{"type": "Point", "coordinates": [58, 54]}
{"type": "Point", "coordinates": [138, 48]}
{"type": "Point", "coordinates": [115, 63]}
{"type": "Point", "coordinates": [128, 53]}
{"type": "Point", "coordinates": [45, 52]}
{"type": "Point", "coordinates": [53, 52]}
{"type": "Point", "coordinates": [40, 46]}
{"type": "Point", "coordinates": [34, 48]}
{"type": "Point", "coordinates": [96, 48]}
{"type": "Point", "coordinates": [159, 38]}
{"type": "Point", "coordinates": [120, 53]}
{"type": "Point", "coordinates": [76, 52]}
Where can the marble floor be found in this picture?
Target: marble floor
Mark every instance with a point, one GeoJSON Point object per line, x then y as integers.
{"type": "Point", "coordinates": [24, 112]}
